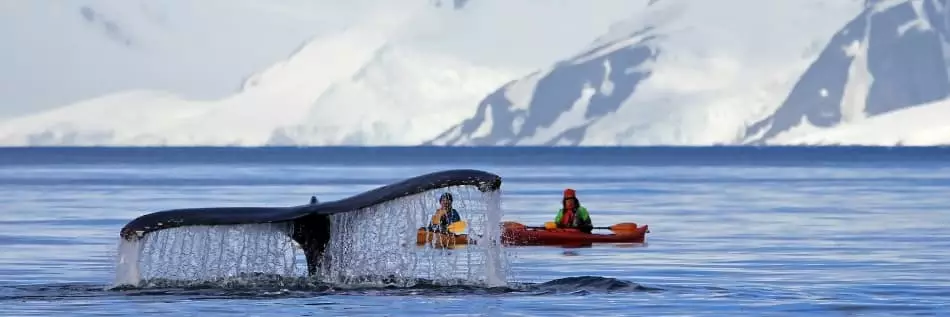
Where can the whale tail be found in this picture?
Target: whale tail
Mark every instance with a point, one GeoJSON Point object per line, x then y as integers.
{"type": "Point", "coordinates": [311, 227]}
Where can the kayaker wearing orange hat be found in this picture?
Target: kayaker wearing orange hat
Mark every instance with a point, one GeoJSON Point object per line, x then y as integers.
{"type": "Point", "coordinates": [572, 214]}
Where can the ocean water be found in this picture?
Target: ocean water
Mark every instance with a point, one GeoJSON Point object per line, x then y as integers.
{"type": "Point", "coordinates": [734, 231]}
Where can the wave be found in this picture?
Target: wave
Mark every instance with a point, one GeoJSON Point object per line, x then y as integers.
{"type": "Point", "coordinates": [271, 286]}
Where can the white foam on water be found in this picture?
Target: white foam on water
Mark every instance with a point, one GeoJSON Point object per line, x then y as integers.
{"type": "Point", "coordinates": [202, 253]}
{"type": "Point", "coordinates": [374, 245]}
{"type": "Point", "coordinates": [127, 264]}
{"type": "Point", "coordinates": [497, 268]}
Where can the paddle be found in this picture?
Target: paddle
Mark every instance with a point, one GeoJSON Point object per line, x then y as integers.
{"type": "Point", "coordinates": [620, 228]}
{"type": "Point", "coordinates": [457, 227]}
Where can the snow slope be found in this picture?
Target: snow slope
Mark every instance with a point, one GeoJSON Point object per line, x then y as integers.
{"type": "Point", "coordinates": [82, 49]}
{"type": "Point", "coordinates": [611, 72]}
{"type": "Point", "coordinates": [700, 73]}
{"type": "Point", "coordinates": [923, 125]}
{"type": "Point", "coordinates": [395, 63]}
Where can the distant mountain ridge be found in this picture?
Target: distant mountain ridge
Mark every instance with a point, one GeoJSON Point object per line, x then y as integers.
{"type": "Point", "coordinates": [458, 73]}
{"type": "Point", "coordinates": [893, 55]}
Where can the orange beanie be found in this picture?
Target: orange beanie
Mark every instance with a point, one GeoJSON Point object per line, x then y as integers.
{"type": "Point", "coordinates": [569, 193]}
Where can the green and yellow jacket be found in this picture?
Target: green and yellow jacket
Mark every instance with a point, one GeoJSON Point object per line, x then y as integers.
{"type": "Point", "coordinates": [581, 219]}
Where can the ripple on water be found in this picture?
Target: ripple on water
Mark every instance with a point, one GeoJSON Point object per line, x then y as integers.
{"type": "Point", "coordinates": [756, 240]}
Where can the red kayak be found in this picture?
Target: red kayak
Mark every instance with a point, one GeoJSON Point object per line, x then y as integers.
{"type": "Point", "coordinates": [519, 234]}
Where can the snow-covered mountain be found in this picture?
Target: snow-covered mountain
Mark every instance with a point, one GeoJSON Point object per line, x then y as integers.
{"type": "Point", "coordinates": [56, 53]}
{"type": "Point", "coordinates": [700, 73]}
{"type": "Point", "coordinates": [380, 72]}
{"type": "Point", "coordinates": [892, 57]}
{"type": "Point", "coordinates": [484, 72]}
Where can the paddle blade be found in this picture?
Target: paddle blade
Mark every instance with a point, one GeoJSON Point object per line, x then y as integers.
{"type": "Point", "coordinates": [512, 225]}
{"type": "Point", "coordinates": [550, 225]}
{"type": "Point", "coordinates": [457, 227]}
{"type": "Point", "coordinates": [624, 227]}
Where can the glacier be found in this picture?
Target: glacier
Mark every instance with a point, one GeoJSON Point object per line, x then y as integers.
{"type": "Point", "coordinates": [61, 52]}
{"type": "Point", "coordinates": [492, 72]}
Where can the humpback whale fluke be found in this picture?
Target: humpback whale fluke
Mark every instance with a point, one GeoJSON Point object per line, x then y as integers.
{"type": "Point", "coordinates": [310, 223]}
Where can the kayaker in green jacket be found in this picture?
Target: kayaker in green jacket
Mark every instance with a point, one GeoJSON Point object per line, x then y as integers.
{"type": "Point", "coordinates": [572, 214]}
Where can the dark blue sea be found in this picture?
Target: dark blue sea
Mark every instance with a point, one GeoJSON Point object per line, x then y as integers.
{"type": "Point", "coordinates": [735, 231]}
